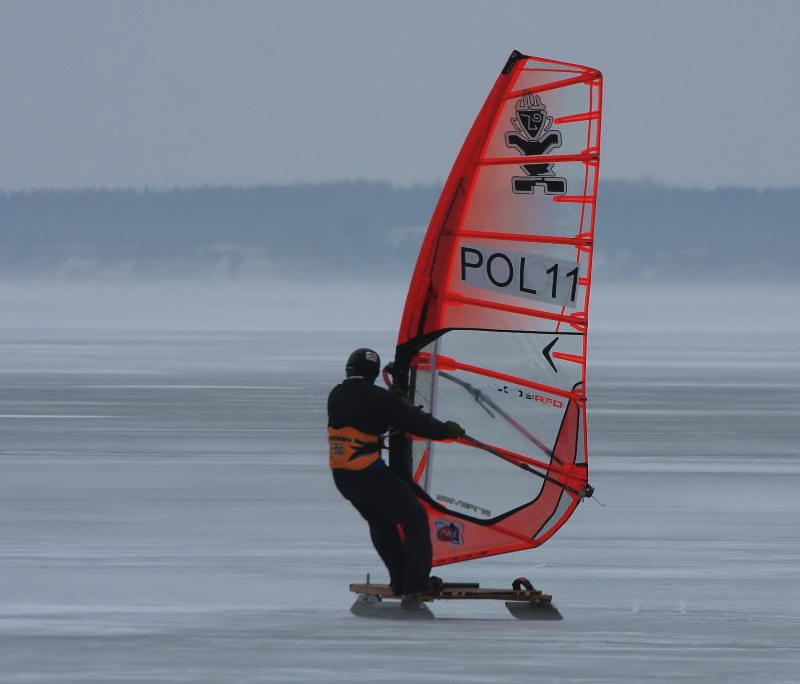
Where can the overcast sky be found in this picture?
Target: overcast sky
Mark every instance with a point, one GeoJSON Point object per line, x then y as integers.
{"type": "Point", "coordinates": [166, 93]}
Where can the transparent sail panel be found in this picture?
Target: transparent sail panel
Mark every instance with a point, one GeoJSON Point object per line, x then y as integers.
{"type": "Point", "coordinates": [533, 357]}
{"type": "Point", "coordinates": [476, 484]}
{"type": "Point", "coordinates": [499, 411]}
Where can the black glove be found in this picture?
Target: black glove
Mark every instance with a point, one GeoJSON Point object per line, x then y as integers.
{"type": "Point", "coordinates": [399, 391]}
{"type": "Point", "coordinates": [456, 430]}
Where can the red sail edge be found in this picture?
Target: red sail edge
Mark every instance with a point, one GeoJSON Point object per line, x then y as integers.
{"type": "Point", "coordinates": [493, 333]}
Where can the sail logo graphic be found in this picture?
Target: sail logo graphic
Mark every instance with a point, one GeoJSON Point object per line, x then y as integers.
{"type": "Point", "coordinates": [532, 396]}
{"type": "Point", "coordinates": [451, 532]}
{"type": "Point", "coordinates": [534, 137]}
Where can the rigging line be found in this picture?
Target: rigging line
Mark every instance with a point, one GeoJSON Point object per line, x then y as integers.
{"type": "Point", "coordinates": [489, 449]}
{"type": "Point", "coordinates": [481, 398]}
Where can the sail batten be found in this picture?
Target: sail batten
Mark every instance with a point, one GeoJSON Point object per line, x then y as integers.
{"type": "Point", "coordinates": [493, 334]}
{"type": "Point", "coordinates": [452, 364]}
{"type": "Point", "coordinates": [550, 86]}
{"type": "Point", "coordinates": [573, 319]}
{"type": "Point", "coordinates": [578, 240]}
{"type": "Point", "coordinates": [585, 157]}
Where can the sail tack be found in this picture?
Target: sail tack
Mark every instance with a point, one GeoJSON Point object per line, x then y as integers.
{"type": "Point", "coordinates": [493, 333]}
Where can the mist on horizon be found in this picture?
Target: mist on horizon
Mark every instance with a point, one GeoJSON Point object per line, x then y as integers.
{"type": "Point", "coordinates": [350, 232]}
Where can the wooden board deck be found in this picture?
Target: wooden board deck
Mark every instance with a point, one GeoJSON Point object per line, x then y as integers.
{"type": "Point", "coordinates": [455, 592]}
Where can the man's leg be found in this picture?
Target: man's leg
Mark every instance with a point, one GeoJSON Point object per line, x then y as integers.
{"type": "Point", "coordinates": [357, 488]}
{"type": "Point", "coordinates": [388, 543]}
{"type": "Point", "coordinates": [389, 499]}
{"type": "Point", "coordinates": [419, 552]}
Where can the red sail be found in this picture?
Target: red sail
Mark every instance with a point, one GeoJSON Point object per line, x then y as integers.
{"type": "Point", "coordinates": [494, 329]}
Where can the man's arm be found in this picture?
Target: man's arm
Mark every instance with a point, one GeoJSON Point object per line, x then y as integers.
{"type": "Point", "coordinates": [407, 417]}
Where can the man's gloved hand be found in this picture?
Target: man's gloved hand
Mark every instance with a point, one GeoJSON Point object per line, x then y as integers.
{"type": "Point", "coordinates": [399, 391]}
{"type": "Point", "coordinates": [456, 430]}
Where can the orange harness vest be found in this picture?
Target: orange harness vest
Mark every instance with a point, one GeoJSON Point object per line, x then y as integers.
{"type": "Point", "coordinates": [351, 449]}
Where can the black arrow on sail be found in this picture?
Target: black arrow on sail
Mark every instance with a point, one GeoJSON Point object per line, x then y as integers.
{"type": "Point", "coordinates": [546, 354]}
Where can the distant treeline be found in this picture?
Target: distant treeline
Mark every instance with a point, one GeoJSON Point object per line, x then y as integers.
{"type": "Point", "coordinates": [367, 228]}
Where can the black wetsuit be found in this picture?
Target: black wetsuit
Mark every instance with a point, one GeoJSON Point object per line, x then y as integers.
{"type": "Point", "coordinates": [378, 494]}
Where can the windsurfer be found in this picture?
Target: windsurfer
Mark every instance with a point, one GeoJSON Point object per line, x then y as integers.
{"type": "Point", "coordinates": [359, 412]}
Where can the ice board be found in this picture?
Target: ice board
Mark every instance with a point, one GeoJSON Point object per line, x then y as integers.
{"type": "Point", "coordinates": [525, 603]}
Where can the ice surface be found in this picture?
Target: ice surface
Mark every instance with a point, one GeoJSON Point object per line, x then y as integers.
{"type": "Point", "coordinates": [166, 512]}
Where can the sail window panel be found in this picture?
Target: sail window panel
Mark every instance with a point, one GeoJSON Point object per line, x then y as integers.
{"type": "Point", "coordinates": [518, 355]}
{"type": "Point", "coordinates": [468, 481]}
{"type": "Point", "coordinates": [422, 387]}
{"type": "Point", "coordinates": [519, 413]}
{"type": "Point", "coordinates": [421, 395]}
{"type": "Point", "coordinates": [419, 455]}
{"type": "Point", "coordinates": [472, 483]}
{"type": "Point", "coordinates": [516, 418]}
{"type": "Point", "coordinates": [564, 503]}
{"type": "Point", "coordinates": [496, 207]}
{"type": "Point", "coordinates": [580, 451]}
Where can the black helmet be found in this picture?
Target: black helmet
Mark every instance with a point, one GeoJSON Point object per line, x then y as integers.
{"type": "Point", "coordinates": [363, 363]}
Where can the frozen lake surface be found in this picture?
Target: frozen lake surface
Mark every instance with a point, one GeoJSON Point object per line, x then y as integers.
{"type": "Point", "coordinates": [167, 515]}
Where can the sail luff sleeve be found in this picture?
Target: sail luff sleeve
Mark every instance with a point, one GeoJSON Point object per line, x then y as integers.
{"type": "Point", "coordinates": [443, 223]}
